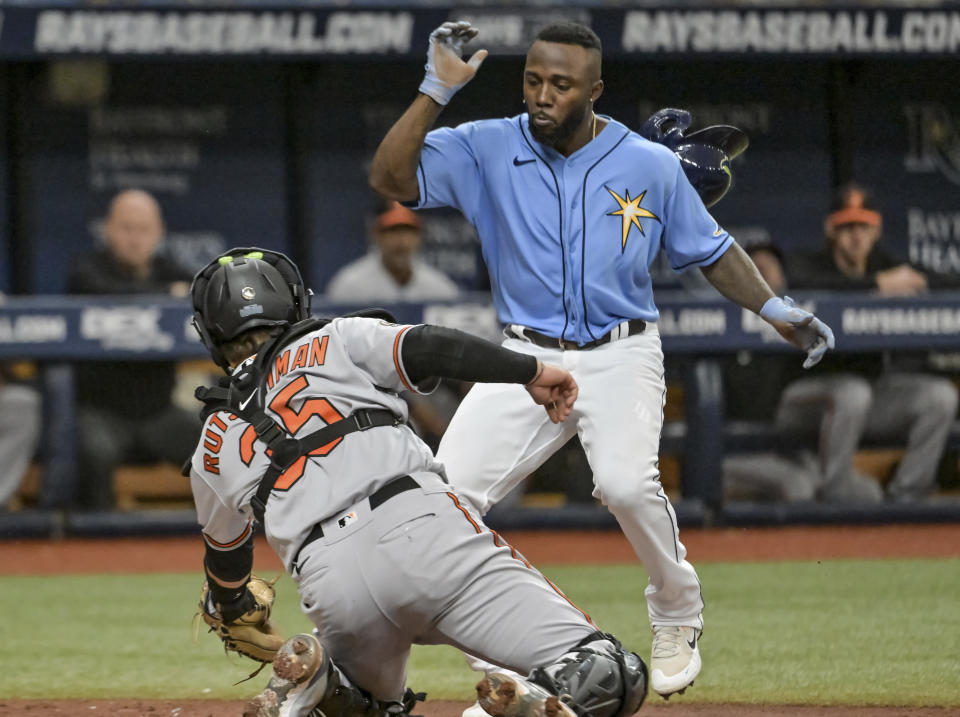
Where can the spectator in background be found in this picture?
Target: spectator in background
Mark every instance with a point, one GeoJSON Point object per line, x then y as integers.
{"type": "Point", "coordinates": [392, 272]}
{"type": "Point", "coordinates": [885, 398]}
{"type": "Point", "coordinates": [819, 421]}
{"type": "Point", "coordinates": [852, 259]}
{"type": "Point", "coordinates": [125, 411]}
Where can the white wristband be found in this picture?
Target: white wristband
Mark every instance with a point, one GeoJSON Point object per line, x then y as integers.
{"type": "Point", "coordinates": [436, 90]}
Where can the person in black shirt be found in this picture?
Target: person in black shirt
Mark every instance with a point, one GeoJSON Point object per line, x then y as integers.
{"type": "Point", "coordinates": [895, 399]}
{"type": "Point", "coordinates": [125, 410]}
{"type": "Point", "coordinates": [819, 420]}
{"type": "Point", "coordinates": [852, 258]}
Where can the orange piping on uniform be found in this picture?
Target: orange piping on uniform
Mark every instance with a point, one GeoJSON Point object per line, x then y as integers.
{"type": "Point", "coordinates": [396, 358]}
{"type": "Point", "coordinates": [232, 543]}
{"type": "Point", "coordinates": [464, 511]}
{"type": "Point", "coordinates": [518, 557]}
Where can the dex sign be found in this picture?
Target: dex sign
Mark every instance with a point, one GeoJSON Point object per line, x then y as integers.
{"type": "Point", "coordinates": [127, 328]}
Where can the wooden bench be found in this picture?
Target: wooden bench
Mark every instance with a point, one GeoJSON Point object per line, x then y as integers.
{"type": "Point", "coordinates": [150, 486]}
{"type": "Point", "coordinates": [134, 486]}
{"type": "Point", "coordinates": [875, 458]}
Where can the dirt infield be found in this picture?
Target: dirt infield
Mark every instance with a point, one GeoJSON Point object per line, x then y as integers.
{"type": "Point", "coordinates": [183, 554]}
{"type": "Point", "coordinates": [655, 706]}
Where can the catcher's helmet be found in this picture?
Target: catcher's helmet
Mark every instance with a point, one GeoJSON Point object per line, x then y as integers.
{"type": "Point", "coordinates": [244, 289]}
{"type": "Point", "coordinates": [704, 155]}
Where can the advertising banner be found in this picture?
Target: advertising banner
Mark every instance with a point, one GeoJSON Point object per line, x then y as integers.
{"type": "Point", "coordinates": [66, 328]}
{"type": "Point", "coordinates": [300, 31]}
{"type": "Point", "coordinates": [905, 140]}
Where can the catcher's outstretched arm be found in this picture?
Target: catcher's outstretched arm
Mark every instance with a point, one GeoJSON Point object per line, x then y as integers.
{"type": "Point", "coordinates": [431, 351]}
{"type": "Point", "coordinates": [449, 353]}
{"type": "Point", "coordinates": [228, 571]}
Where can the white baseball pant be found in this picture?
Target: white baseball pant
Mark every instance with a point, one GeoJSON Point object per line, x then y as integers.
{"type": "Point", "coordinates": [499, 436]}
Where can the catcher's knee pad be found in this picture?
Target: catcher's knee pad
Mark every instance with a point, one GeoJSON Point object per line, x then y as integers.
{"type": "Point", "coordinates": [598, 678]}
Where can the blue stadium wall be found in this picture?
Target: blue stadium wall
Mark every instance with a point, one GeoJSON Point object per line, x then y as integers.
{"type": "Point", "coordinates": [258, 128]}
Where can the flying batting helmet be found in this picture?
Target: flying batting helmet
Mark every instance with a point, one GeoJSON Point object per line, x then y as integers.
{"type": "Point", "coordinates": [244, 289]}
{"type": "Point", "coordinates": [704, 155]}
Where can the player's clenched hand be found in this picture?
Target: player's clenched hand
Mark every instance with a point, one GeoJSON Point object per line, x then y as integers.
{"type": "Point", "coordinates": [446, 72]}
{"type": "Point", "coordinates": [799, 327]}
{"type": "Point", "coordinates": [554, 389]}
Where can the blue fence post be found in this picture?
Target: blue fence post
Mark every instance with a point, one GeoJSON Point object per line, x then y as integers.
{"type": "Point", "coordinates": [702, 471]}
{"type": "Point", "coordinates": [60, 441]}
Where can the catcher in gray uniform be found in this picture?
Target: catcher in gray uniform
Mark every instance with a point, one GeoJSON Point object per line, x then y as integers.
{"type": "Point", "coordinates": [307, 435]}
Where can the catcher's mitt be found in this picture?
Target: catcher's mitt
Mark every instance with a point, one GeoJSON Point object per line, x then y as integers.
{"type": "Point", "coordinates": [251, 634]}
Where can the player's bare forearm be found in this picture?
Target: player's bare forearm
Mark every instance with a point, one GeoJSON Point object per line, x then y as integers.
{"type": "Point", "coordinates": [393, 171]}
{"type": "Point", "coordinates": [736, 277]}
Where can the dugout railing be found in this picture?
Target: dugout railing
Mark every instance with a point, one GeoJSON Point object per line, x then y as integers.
{"type": "Point", "coordinates": [56, 331]}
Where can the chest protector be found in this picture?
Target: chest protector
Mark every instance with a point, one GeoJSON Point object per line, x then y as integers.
{"type": "Point", "coordinates": [242, 394]}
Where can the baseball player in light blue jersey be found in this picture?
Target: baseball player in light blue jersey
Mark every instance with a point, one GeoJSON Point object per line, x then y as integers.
{"type": "Point", "coordinates": [571, 208]}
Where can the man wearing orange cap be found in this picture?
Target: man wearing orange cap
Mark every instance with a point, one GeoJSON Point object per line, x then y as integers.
{"type": "Point", "coordinates": [391, 271]}
{"type": "Point", "coordinates": [883, 396]}
{"type": "Point", "coordinates": [851, 259]}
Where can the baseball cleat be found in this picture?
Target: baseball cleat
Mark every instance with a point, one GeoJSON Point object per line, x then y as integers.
{"type": "Point", "coordinates": [503, 695]}
{"type": "Point", "coordinates": [678, 692]}
{"type": "Point", "coordinates": [301, 672]}
{"type": "Point", "coordinates": [674, 659]}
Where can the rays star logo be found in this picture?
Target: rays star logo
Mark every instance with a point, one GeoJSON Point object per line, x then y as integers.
{"type": "Point", "coordinates": [631, 213]}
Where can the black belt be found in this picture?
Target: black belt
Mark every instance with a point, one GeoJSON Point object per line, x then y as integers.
{"type": "Point", "coordinates": [377, 498]}
{"type": "Point", "coordinates": [634, 326]}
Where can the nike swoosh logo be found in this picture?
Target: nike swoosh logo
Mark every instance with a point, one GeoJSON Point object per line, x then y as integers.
{"type": "Point", "coordinates": [517, 162]}
{"type": "Point", "coordinates": [243, 404]}
{"type": "Point", "coordinates": [693, 642]}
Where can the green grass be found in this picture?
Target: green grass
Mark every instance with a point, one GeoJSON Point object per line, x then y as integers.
{"type": "Point", "coordinates": [843, 632]}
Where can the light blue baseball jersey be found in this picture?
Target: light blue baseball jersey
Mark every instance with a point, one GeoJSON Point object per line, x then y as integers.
{"type": "Point", "coordinates": [568, 241]}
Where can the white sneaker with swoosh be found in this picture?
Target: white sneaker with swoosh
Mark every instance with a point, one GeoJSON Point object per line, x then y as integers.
{"type": "Point", "coordinates": [674, 659]}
